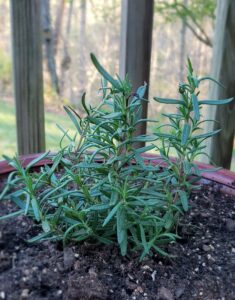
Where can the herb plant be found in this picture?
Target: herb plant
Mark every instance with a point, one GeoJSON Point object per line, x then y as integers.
{"type": "Point", "coordinates": [100, 187]}
{"type": "Point", "coordinates": [186, 135]}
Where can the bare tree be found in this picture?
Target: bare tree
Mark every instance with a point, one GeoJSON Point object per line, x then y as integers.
{"type": "Point", "coordinates": [190, 13]}
{"type": "Point", "coordinates": [58, 23]}
{"type": "Point", "coordinates": [66, 59]}
{"type": "Point", "coordinates": [81, 48]}
{"type": "Point", "coordinates": [49, 44]}
{"type": "Point", "coordinates": [182, 46]}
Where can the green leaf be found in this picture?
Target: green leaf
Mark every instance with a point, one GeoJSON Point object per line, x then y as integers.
{"type": "Point", "coordinates": [143, 237]}
{"type": "Point", "coordinates": [65, 132]}
{"type": "Point", "coordinates": [211, 170]}
{"type": "Point", "coordinates": [187, 167]}
{"type": "Point", "coordinates": [215, 102]}
{"type": "Point", "coordinates": [144, 149]}
{"type": "Point", "coordinates": [101, 123]}
{"type": "Point", "coordinates": [145, 120]}
{"type": "Point", "coordinates": [123, 246]}
{"type": "Point", "coordinates": [46, 226]}
{"type": "Point", "coordinates": [91, 165]}
{"type": "Point", "coordinates": [71, 228]}
{"type": "Point", "coordinates": [104, 240]}
{"type": "Point", "coordinates": [168, 218]}
{"type": "Point", "coordinates": [195, 81]}
{"type": "Point", "coordinates": [4, 191]}
{"type": "Point", "coordinates": [153, 193]}
{"type": "Point", "coordinates": [111, 214]}
{"type": "Point", "coordinates": [183, 199]}
{"type": "Point", "coordinates": [36, 160]}
{"type": "Point", "coordinates": [11, 215]}
{"type": "Point", "coordinates": [190, 67]}
{"type": "Point", "coordinates": [56, 162]}
{"type": "Point", "coordinates": [104, 87]}
{"type": "Point", "coordinates": [39, 237]}
{"type": "Point", "coordinates": [206, 135]}
{"type": "Point", "coordinates": [169, 235]}
{"type": "Point", "coordinates": [27, 204]}
{"type": "Point", "coordinates": [165, 135]}
{"type": "Point", "coordinates": [96, 141]}
{"type": "Point", "coordinates": [121, 230]}
{"type": "Point", "coordinates": [185, 133]}
{"type": "Point", "coordinates": [211, 79]}
{"type": "Point", "coordinates": [113, 116]}
{"type": "Point", "coordinates": [7, 158]}
{"type": "Point", "coordinates": [17, 199]}
{"type": "Point", "coordinates": [73, 119]}
{"type": "Point", "coordinates": [98, 207]}
{"type": "Point", "coordinates": [15, 163]}
{"type": "Point", "coordinates": [160, 251]}
{"type": "Point", "coordinates": [169, 101]}
{"type": "Point", "coordinates": [75, 113]}
{"type": "Point", "coordinates": [104, 73]}
{"type": "Point", "coordinates": [143, 138]}
{"type": "Point", "coordinates": [36, 209]}
{"type": "Point", "coordinates": [195, 107]}
{"type": "Point", "coordinates": [84, 104]}
{"type": "Point", "coordinates": [140, 93]}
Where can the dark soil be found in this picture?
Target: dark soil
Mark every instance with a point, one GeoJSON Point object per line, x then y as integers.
{"type": "Point", "coordinates": [202, 266]}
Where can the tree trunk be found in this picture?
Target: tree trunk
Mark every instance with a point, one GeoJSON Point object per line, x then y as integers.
{"type": "Point", "coordinates": [136, 40]}
{"type": "Point", "coordinates": [182, 46]}
{"type": "Point", "coordinates": [49, 44]}
{"type": "Point", "coordinates": [223, 69]}
{"type": "Point", "coordinates": [28, 80]}
{"type": "Point", "coordinates": [66, 59]}
{"type": "Point", "coordinates": [58, 24]}
{"type": "Point", "coordinates": [81, 49]}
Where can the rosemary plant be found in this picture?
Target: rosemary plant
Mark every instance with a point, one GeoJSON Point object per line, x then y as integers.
{"type": "Point", "coordinates": [100, 187]}
{"type": "Point", "coordinates": [185, 137]}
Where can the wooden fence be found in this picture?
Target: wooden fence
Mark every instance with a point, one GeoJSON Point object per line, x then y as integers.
{"type": "Point", "coordinates": [136, 35]}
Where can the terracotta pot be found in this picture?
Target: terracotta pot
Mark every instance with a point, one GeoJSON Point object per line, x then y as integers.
{"type": "Point", "coordinates": [225, 179]}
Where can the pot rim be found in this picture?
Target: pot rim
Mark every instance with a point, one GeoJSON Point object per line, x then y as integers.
{"type": "Point", "coordinates": [224, 178]}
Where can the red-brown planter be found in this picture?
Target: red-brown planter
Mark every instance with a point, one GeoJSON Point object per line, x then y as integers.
{"type": "Point", "coordinates": [224, 178]}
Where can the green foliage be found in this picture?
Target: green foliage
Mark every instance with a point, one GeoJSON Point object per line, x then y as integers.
{"type": "Point", "coordinates": [5, 67]}
{"type": "Point", "coordinates": [100, 187]}
{"type": "Point", "coordinates": [197, 9]}
{"type": "Point", "coordinates": [192, 13]}
{"type": "Point", "coordinates": [185, 137]}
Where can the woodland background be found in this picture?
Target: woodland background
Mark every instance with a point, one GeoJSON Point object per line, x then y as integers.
{"type": "Point", "coordinates": [74, 28]}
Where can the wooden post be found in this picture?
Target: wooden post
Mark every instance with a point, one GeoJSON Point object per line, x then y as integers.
{"type": "Point", "coordinates": [28, 80]}
{"type": "Point", "coordinates": [136, 41]}
{"type": "Point", "coordinates": [223, 69]}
